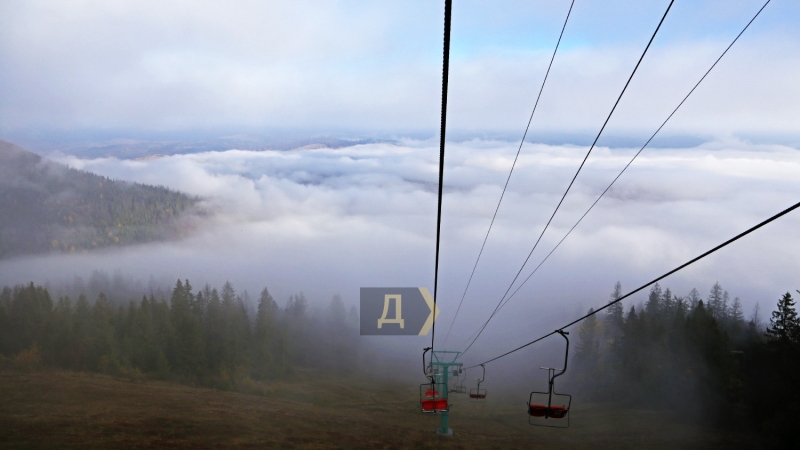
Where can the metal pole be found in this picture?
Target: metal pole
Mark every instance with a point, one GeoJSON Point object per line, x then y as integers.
{"type": "Point", "coordinates": [444, 427]}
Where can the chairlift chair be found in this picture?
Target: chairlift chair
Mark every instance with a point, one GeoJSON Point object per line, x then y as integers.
{"type": "Point", "coordinates": [543, 406]}
{"type": "Point", "coordinates": [430, 401]}
{"type": "Point", "coordinates": [429, 397]}
{"type": "Point", "coordinates": [458, 387]}
{"type": "Point", "coordinates": [478, 394]}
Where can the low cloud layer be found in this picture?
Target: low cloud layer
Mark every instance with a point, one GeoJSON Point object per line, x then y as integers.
{"type": "Point", "coordinates": [329, 221]}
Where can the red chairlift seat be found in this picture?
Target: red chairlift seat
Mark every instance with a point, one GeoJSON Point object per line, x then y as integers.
{"type": "Point", "coordinates": [558, 412]}
{"type": "Point", "coordinates": [477, 396]}
{"type": "Point", "coordinates": [439, 404]}
{"type": "Point", "coordinates": [539, 410]}
{"type": "Point", "coordinates": [429, 399]}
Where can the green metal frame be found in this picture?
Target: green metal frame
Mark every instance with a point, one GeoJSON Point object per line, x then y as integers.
{"type": "Point", "coordinates": [444, 360]}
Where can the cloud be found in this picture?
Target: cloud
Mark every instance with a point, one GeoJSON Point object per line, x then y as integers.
{"type": "Point", "coordinates": [332, 220]}
{"type": "Point", "coordinates": [376, 66]}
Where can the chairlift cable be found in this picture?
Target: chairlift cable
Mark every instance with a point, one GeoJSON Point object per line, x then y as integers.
{"type": "Point", "coordinates": [574, 177]}
{"type": "Point", "coordinates": [630, 162]}
{"type": "Point", "coordinates": [445, 71]}
{"type": "Point", "coordinates": [524, 135]}
{"type": "Point", "coordinates": [682, 266]}
{"type": "Point", "coordinates": [635, 156]}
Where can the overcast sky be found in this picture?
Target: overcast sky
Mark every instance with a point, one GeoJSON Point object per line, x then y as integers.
{"type": "Point", "coordinates": [330, 221]}
{"type": "Point", "coordinates": [361, 66]}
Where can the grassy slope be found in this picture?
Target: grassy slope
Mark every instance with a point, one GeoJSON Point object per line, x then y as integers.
{"type": "Point", "coordinates": [56, 409]}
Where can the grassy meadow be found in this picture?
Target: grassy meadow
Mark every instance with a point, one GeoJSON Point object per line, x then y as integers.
{"type": "Point", "coordinates": [65, 409]}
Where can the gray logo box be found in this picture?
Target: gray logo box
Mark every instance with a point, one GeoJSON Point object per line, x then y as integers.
{"type": "Point", "coordinates": [379, 307]}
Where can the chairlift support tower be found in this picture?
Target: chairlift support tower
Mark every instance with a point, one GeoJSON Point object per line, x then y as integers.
{"type": "Point", "coordinates": [444, 361]}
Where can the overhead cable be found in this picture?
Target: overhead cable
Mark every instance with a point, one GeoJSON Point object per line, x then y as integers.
{"type": "Point", "coordinates": [574, 177]}
{"type": "Point", "coordinates": [524, 135]}
{"type": "Point", "coordinates": [448, 4]}
{"type": "Point", "coordinates": [682, 266]}
{"type": "Point", "coordinates": [634, 156]}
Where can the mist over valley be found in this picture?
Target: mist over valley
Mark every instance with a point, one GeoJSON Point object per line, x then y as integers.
{"type": "Point", "coordinates": [193, 196]}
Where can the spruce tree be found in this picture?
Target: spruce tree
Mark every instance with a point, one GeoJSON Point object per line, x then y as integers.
{"type": "Point", "coordinates": [264, 336]}
{"type": "Point", "coordinates": [653, 306]}
{"type": "Point", "coordinates": [725, 311]}
{"type": "Point", "coordinates": [588, 333]}
{"type": "Point", "coordinates": [668, 303]}
{"type": "Point", "coordinates": [214, 327]}
{"type": "Point", "coordinates": [692, 299]}
{"type": "Point", "coordinates": [715, 298]}
{"type": "Point", "coordinates": [784, 329]}
{"type": "Point", "coordinates": [615, 312]}
{"type": "Point", "coordinates": [187, 353]}
{"type": "Point", "coordinates": [81, 325]}
{"type": "Point", "coordinates": [102, 338]}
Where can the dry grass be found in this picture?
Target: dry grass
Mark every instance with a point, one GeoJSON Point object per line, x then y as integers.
{"type": "Point", "coordinates": [57, 409]}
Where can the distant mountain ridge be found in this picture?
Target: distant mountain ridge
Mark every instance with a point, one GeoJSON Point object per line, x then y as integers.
{"type": "Point", "coordinates": [49, 207]}
{"type": "Point", "coordinates": [137, 149]}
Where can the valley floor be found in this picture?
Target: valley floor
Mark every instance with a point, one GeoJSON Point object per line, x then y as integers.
{"type": "Point", "coordinates": [59, 409]}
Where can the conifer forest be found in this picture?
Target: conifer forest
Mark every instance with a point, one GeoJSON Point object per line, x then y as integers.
{"type": "Point", "coordinates": [658, 354]}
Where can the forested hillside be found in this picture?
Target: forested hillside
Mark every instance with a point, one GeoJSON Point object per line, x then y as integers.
{"type": "Point", "coordinates": [49, 207]}
{"type": "Point", "coordinates": [698, 355]}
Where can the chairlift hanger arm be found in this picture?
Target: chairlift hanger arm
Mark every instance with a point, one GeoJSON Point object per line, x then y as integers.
{"type": "Point", "coordinates": [566, 355]}
{"type": "Point", "coordinates": [424, 366]}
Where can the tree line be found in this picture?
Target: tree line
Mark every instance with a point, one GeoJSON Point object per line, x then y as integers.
{"type": "Point", "coordinates": [699, 356]}
{"type": "Point", "coordinates": [210, 337]}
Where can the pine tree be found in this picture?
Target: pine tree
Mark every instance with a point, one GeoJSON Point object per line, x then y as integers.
{"type": "Point", "coordinates": [615, 312]}
{"type": "Point", "coordinates": [755, 317]}
{"type": "Point", "coordinates": [264, 335]}
{"type": "Point", "coordinates": [235, 330]}
{"type": "Point", "coordinates": [300, 306]}
{"type": "Point", "coordinates": [337, 312]}
{"type": "Point", "coordinates": [214, 327]}
{"type": "Point", "coordinates": [187, 354]}
{"type": "Point", "coordinates": [81, 325]}
{"type": "Point", "coordinates": [737, 316]}
{"type": "Point", "coordinates": [784, 329]}
{"type": "Point", "coordinates": [588, 343]}
{"type": "Point", "coordinates": [102, 338]}
{"type": "Point", "coordinates": [715, 298]}
{"type": "Point", "coordinates": [588, 351]}
{"type": "Point", "coordinates": [725, 310]}
{"type": "Point", "coordinates": [63, 344]}
{"type": "Point", "coordinates": [653, 306]}
{"type": "Point", "coordinates": [668, 303]}
{"type": "Point", "coordinates": [693, 298]}
{"type": "Point", "coordinates": [680, 310]}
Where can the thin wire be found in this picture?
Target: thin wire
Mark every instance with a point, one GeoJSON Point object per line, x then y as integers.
{"type": "Point", "coordinates": [682, 266]}
{"type": "Point", "coordinates": [524, 135]}
{"type": "Point", "coordinates": [448, 4]}
{"type": "Point", "coordinates": [574, 177]}
{"type": "Point", "coordinates": [636, 155]}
